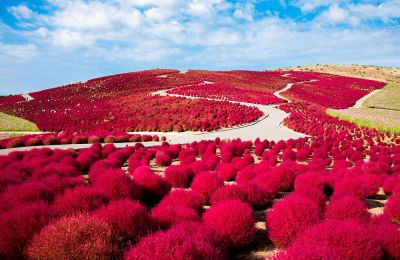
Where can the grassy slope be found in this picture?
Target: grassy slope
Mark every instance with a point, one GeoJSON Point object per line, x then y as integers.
{"type": "Point", "coordinates": [12, 123]}
{"type": "Point", "coordinates": [380, 111]}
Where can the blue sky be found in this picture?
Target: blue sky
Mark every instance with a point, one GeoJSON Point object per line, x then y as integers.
{"type": "Point", "coordinates": [46, 43]}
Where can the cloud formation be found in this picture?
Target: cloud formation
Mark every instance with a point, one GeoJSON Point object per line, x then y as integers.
{"type": "Point", "coordinates": [126, 35]}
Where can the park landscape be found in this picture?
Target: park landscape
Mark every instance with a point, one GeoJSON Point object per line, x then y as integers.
{"type": "Point", "coordinates": [293, 163]}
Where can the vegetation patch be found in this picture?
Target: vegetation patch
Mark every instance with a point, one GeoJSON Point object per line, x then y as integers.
{"type": "Point", "coordinates": [12, 123]}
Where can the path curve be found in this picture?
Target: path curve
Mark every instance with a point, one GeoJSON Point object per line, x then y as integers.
{"type": "Point", "coordinates": [27, 97]}
{"type": "Point", "coordinates": [268, 127]}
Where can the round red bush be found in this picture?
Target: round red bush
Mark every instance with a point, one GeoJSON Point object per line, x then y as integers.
{"type": "Point", "coordinates": [301, 251]}
{"type": "Point", "coordinates": [392, 209]}
{"type": "Point", "coordinates": [179, 176]}
{"type": "Point", "coordinates": [176, 244]}
{"type": "Point", "coordinates": [228, 192]}
{"type": "Point", "coordinates": [234, 220]}
{"type": "Point", "coordinates": [185, 198]}
{"type": "Point", "coordinates": [153, 186]}
{"type": "Point", "coordinates": [289, 217]}
{"type": "Point", "coordinates": [205, 184]}
{"type": "Point", "coordinates": [347, 208]}
{"type": "Point", "coordinates": [388, 237]}
{"type": "Point", "coordinates": [76, 237]}
{"type": "Point", "coordinates": [269, 181]}
{"type": "Point", "coordinates": [227, 171]}
{"type": "Point", "coordinates": [349, 238]}
{"type": "Point", "coordinates": [80, 200]}
{"type": "Point", "coordinates": [129, 219]}
{"type": "Point", "coordinates": [255, 195]}
{"type": "Point", "coordinates": [163, 159]}
{"type": "Point", "coordinates": [167, 216]}
{"type": "Point", "coordinates": [117, 185]}
{"type": "Point", "coordinates": [18, 227]}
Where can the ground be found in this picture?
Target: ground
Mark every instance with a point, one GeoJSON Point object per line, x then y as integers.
{"type": "Point", "coordinates": [12, 123]}
{"type": "Point", "coordinates": [381, 110]}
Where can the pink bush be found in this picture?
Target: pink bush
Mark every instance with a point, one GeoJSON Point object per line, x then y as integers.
{"type": "Point", "coordinates": [128, 219]}
{"type": "Point", "coordinates": [228, 192]}
{"type": "Point", "coordinates": [80, 200]}
{"type": "Point", "coordinates": [392, 209]}
{"type": "Point", "coordinates": [153, 187]}
{"type": "Point", "coordinates": [348, 238]}
{"type": "Point", "coordinates": [163, 159]}
{"type": "Point", "coordinates": [76, 237]}
{"type": "Point", "coordinates": [301, 251]}
{"type": "Point", "coordinates": [18, 227]}
{"type": "Point", "coordinates": [227, 171]}
{"type": "Point", "coordinates": [179, 176]}
{"type": "Point", "coordinates": [269, 181]}
{"type": "Point", "coordinates": [255, 195]}
{"type": "Point", "coordinates": [117, 185]}
{"type": "Point", "coordinates": [234, 220]}
{"type": "Point", "coordinates": [347, 208]}
{"type": "Point", "coordinates": [289, 217]}
{"type": "Point", "coordinates": [361, 186]}
{"type": "Point", "coordinates": [167, 216]}
{"type": "Point", "coordinates": [184, 198]}
{"type": "Point", "coordinates": [388, 237]}
{"type": "Point", "coordinates": [177, 243]}
{"type": "Point", "coordinates": [205, 184]}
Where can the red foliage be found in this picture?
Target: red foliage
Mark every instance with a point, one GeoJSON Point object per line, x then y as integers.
{"type": "Point", "coordinates": [179, 176]}
{"type": "Point", "coordinates": [347, 208]}
{"type": "Point", "coordinates": [163, 159]}
{"type": "Point", "coordinates": [188, 241]}
{"type": "Point", "coordinates": [18, 227]}
{"type": "Point", "coordinates": [392, 209]}
{"type": "Point", "coordinates": [184, 198]}
{"type": "Point", "coordinates": [79, 200]}
{"type": "Point", "coordinates": [300, 251]}
{"type": "Point", "coordinates": [153, 187]}
{"type": "Point", "coordinates": [227, 171]}
{"type": "Point", "coordinates": [117, 185]}
{"type": "Point", "coordinates": [388, 237]}
{"type": "Point", "coordinates": [167, 216]}
{"type": "Point", "coordinates": [289, 217]}
{"type": "Point", "coordinates": [348, 238]}
{"type": "Point", "coordinates": [255, 195]}
{"type": "Point", "coordinates": [76, 237]}
{"type": "Point", "coordinates": [128, 219]}
{"type": "Point", "coordinates": [205, 184]}
{"type": "Point", "coordinates": [228, 192]}
{"type": "Point", "coordinates": [234, 220]}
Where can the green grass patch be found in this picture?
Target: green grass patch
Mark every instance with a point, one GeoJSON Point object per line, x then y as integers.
{"type": "Point", "coordinates": [13, 124]}
{"type": "Point", "coordinates": [380, 119]}
{"type": "Point", "coordinates": [387, 98]}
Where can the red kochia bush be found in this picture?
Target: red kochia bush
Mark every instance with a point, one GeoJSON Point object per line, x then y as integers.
{"type": "Point", "coordinates": [153, 186]}
{"type": "Point", "coordinates": [348, 238]}
{"type": "Point", "coordinates": [255, 195]}
{"type": "Point", "coordinates": [388, 237]}
{"type": "Point", "coordinates": [185, 198]}
{"type": "Point", "coordinates": [163, 159]}
{"type": "Point", "coordinates": [187, 241]}
{"type": "Point", "coordinates": [234, 220]}
{"type": "Point", "coordinates": [18, 227]}
{"type": "Point", "coordinates": [178, 176]}
{"type": "Point", "coordinates": [117, 185]}
{"type": "Point", "coordinates": [309, 252]}
{"type": "Point", "coordinates": [347, 208]}
{"type": "Point", "coordinates": [289, 217]}
{"type": "Point", "coordinates": [392, 209]}
{"type": "Point", "coordinates": [268, 181]}
{"type": "Point", "coordinates": [76, 237]}
{"type": "Point", "coordinates": [228, 192]}
{"type": "Point", "coordinates": [80, 200]}
{"type": "Point", "coordinates": [361, 186]}
{"type": "Point", "coordinates": [128, 219]}
{"type": "Point", "coordinates": [167, 216]}
{"type": "Point", "coordinates": [205, 184]}
{"type": "Point", "coordinates": [227, 171]}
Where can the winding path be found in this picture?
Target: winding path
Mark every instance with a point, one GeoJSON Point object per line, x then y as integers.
{"type": "Point", "coordinates": [267, 127]}
{"type": "Point", "coordinates": [27, 97]}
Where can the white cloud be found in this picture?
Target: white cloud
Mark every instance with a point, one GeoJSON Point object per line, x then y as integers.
{"type": "Point", "coordinates": [310, 5]}
{"type": "Point", "coordinates": [21, 11]}
{"type": "Point", "coordinates": [336, 14]}
{"type": "Point", "coordinates": [19, 51]}
{"type": "Point", "coordinates": [384, 11]}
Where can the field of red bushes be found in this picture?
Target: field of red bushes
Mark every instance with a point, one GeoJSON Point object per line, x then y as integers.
{"type": "Point", "coordinates": [333, 195]}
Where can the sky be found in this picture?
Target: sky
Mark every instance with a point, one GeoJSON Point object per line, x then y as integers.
{"type": "Point", "coordinates": [47, 43]}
